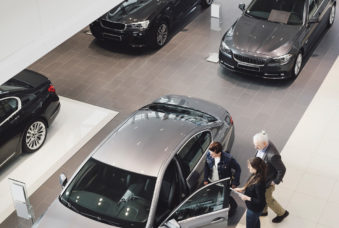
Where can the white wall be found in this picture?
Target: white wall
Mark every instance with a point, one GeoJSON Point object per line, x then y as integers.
{"type": "Point", "coordinates": [31, 28]}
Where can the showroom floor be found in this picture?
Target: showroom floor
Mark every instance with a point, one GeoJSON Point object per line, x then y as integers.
{"type": "Point", "coordinates": [121, 80]}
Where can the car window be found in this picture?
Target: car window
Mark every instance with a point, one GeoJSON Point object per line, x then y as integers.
{"type": "Point", "coordinates": [193, 150]}
{"type": "Point", "coordinates": [109, 194]}
{"type": "Point", "coordinates": [169, 196]}
{"type": "Point", "coordinates": [7, 107]}
{"type": "Point", "coordinates": [312, 7]}
{"type": "Point", "coordinates": [206, 200]}
{"type": "Point", "coordinates": [281, 11]}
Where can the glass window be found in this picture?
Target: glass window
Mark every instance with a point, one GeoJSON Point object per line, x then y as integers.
{"type": "Point", "coordinates": [169, 196]}
{"type": "Point", "coordinates": [289, 11]}
{"type": "Point", "coordinates": [110, 195]}
{"type": "Point", "coordinates": [7, 107]}
{"type": "Point", "coordinates": [213, 197]}
{"type": "Point", "coordinates": [181, 113]}
{"type": "Point", "coordinates": [194, 149]}
{"type": "Point", "coordinates": [312, 7]}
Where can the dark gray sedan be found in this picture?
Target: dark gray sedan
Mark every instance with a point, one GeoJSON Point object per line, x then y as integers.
{"type": "Point", "coordinates": [146, 172]}
{"type": "Point", "coordinates": [272, 37]}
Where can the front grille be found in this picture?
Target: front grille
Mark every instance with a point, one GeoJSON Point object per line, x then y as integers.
{"type": "Point", "coordinates": [113, 25]}
{"type": "Point", "coordinates": [251, 60]}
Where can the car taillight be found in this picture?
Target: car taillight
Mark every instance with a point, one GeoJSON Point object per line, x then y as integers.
{"type": "Point", "coordinates": [51, 89]}
{"type": "Point", "coordinates": [229, 120]}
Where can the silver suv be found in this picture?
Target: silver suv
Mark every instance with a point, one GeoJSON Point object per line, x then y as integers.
{"type": "Point", "coordinates": [147, 171]}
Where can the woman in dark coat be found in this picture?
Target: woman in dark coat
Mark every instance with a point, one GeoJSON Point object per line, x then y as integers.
{"type": "Point", "coordinates": [254, 192]}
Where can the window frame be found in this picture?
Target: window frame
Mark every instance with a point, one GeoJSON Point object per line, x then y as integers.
{"type": "Point", "coordinates": [192, 195]}
{"type": "Point", "coordinates": [15, 112]}
{"type": "Point", "coordinates": [208, 131]}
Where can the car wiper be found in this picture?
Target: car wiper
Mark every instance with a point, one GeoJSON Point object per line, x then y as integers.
{"type": "Point", "coordinates": [100, 219]}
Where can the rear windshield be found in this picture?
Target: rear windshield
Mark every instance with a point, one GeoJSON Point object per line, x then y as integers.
{"type": "Point", "coordinates": [279, 11]}
{"type": "Point", "coordinates": [182, 113]}
{"type": "Point", "coordinates": [6, 88]}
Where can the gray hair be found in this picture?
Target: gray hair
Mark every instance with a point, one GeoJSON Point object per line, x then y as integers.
{"type": "Point", "coordinates": [260, 137]}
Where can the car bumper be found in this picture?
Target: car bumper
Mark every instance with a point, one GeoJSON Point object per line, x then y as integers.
{"type": "Point", "coordinates": [52, 112]}
{"type": "Point", "coordinates": [262, 71]}
{"type": "Point", "coordinates": [130, 37]}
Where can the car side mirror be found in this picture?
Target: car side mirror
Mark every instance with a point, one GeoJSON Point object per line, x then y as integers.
{"type": "Point", "coordinates": [62, 180]}
{"type": "Point", "coordinates": [242, 6]}
{"type": "Point", "coordinates": [170, 224]}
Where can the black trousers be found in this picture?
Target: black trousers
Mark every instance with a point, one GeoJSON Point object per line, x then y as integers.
{"type": "Point", "coordinates": [233, 206]}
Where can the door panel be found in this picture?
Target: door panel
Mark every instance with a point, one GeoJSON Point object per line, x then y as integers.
{"type": "Point", "coordinates": [207, 207]}
{"type": "Point", "coordinates": [9, 129]}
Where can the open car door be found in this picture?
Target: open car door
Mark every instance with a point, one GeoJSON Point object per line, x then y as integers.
{"type": "Point", "coordinates": [206, 208]}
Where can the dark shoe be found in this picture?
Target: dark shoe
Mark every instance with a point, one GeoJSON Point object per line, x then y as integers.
{"type": "Point", "coordinates": [264, 214]}
{"type": "Point", "coordinates": [280, 218]}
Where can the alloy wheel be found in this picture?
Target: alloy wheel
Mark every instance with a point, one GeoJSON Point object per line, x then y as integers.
{"type": "Point", "coordinates": [297, 65]}
{"type": "Point", "coordinates": [162, 34]}
{"type": "Point", "coordinates": [35, 135]}
{"type": "Point", "coordinates": [332, 15]}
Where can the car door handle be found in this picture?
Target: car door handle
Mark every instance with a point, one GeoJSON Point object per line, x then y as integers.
{"type": "Point", "coordinates": [219, 219]}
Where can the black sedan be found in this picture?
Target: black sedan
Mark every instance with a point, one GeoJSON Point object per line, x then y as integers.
{"type": "Point", "coordinates": [28, 105]}
{"type": "Point", "coordinates": [143, 22]}
{"type": "Point", "coordinates": [271, 38]}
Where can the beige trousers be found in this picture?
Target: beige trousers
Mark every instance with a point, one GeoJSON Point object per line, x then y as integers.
{"type": "Point", "coordinates": [272, 203]}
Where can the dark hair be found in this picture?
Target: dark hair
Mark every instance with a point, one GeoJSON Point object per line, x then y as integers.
{"type": "Point", "coordinates": [260, 166]}
{"type": "Point", "coordinates": [216, 147]}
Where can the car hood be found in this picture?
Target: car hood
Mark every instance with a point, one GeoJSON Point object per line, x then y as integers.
{"type": "Point", "coordinates": [58, 215]}
{"type": "Point", "coordinates": [131, 11]}
{"type": "Point", "coordinates": [263, 37]}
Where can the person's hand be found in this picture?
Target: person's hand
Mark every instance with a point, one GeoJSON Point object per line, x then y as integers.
{"type": "Point", "coordinates": [205, 182]}
{"type": "Point", "coordinates": [272, 183]}
{"type": "Point", "coordinates": [238, 189]}
{"type": "Point", "coordinates": [244, 198]}
{"type": "Point", "coordinates": [234, 186]}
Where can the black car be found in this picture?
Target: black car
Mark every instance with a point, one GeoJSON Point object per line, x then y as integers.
{"type": "Point", "coordinates": [28, 105]}
{"type": "Point", "coordinates": [143, 22]}
{"type": "Point", "coordinates": [272, 37]}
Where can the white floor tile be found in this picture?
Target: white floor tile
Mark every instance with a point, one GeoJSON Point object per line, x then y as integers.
{"type": "Point", "coordinates": [319, 186]}
{"type": "Point", "coordinates": [306, 207]}
{"type": "Point", "coordinates": [69, 132]}
{"type": "Point", "coordinates": [329, 216]}
{"type": "Point", "coordinates": [334, 196]}
{"type": "Point", "coordinates": [292, 177]}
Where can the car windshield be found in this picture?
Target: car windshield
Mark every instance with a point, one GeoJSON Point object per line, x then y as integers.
{"type": "Point", "coordinates": [110, 195]}
{"type": "Point", "coordinates": [128, 7]}
{"type": "Point", "coordinates": [181, 113]}
{"type": "Point", "coordinates": [280, 11]}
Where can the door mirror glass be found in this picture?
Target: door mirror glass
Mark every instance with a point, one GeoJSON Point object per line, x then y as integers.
{"type": "Point", "coordinates": [62, 180]}
{"type": "Point", "coordinates": [242, 6]}
{"type": "Point", "coordinates": [208, 199]}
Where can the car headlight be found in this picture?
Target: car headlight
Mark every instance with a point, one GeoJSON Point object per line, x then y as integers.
{"type": "Point", "coordinates": [282, 59]}
{"type": "Point", "coordinates": [141, 25]}
{"type": "Point", "coordinates": [224, 48]}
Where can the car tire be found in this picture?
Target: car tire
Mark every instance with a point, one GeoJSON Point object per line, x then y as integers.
{"type": "Point", "coordinates": [34, 136]}
{"type": "Point", "coordinates": [297, 65]}
{"type": "Point", "coordinates": [159, 34]}
{"type": "Point", "coordinates": [206, 3]}
{"type": "Point", "coordinates": [331, 17]}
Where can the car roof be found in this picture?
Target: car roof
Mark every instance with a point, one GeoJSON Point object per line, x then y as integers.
{"type": "Point", "coordinates": [145, 141]}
